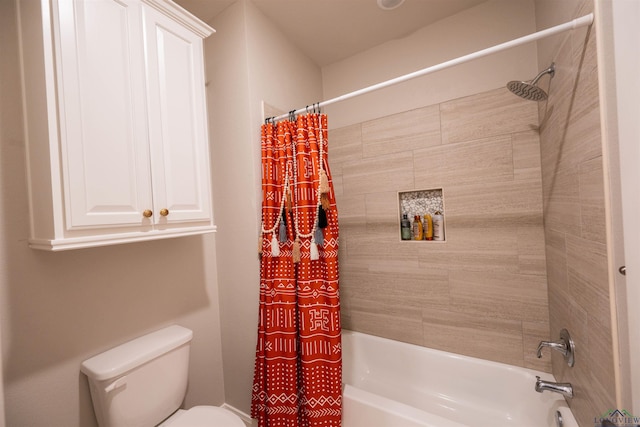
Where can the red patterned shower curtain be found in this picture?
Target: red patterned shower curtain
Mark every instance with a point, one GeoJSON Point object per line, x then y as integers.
{"type": "Point", "coordinates": [298, 366]}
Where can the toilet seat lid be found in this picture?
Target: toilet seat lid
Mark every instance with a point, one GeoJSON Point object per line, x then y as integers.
{"type": "Point", "coordinates": [207, 416]}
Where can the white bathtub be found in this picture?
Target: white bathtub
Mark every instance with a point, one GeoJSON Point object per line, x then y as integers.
{"type": "Point", "coordinates": [392, 384]}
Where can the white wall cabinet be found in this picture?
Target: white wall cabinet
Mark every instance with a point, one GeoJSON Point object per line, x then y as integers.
{"type": "Point", "coordinates": [117, 141]}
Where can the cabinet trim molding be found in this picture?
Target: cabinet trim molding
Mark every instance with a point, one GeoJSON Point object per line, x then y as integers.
{"type": "Point", "coordinates": [115, 239]}
{"type": "Point", "coordinates": [177, 13]}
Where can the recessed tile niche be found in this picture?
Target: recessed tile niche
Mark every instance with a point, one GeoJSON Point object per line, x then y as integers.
{"type": "Point", "coordinates": [421, 202]}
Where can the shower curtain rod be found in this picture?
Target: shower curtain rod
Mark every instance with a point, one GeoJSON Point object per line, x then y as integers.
{"type": "Point", "coordinates": [576, 23]}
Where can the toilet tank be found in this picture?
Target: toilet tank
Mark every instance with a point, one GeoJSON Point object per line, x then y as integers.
{"type": "Point", "coordinates": [141, 382]}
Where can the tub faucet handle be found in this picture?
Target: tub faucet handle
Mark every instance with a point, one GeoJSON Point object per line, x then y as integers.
{"type": "Point", "coordinates": [564, 345]}
{"type": "Point", "coordinates": [560, 346]}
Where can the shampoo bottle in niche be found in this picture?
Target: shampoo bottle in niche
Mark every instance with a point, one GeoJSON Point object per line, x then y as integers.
{"type": "Point", "coordinates": [417, 228]}
{"type": "Point", "coordinates": [405, 228]}
{"type": "Point", "coordinates": [428, 227]}
{"type": "Point", "coordinates": [438, 226]}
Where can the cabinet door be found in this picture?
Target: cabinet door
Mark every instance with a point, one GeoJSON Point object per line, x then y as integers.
{"type": "Point", "coordinates": [177, 120]}
{"type": "Point", "coordinates": [104, 140]}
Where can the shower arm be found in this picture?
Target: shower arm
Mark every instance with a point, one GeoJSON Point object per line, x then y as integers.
{"type": "Point", "coordinates": [551, 70]}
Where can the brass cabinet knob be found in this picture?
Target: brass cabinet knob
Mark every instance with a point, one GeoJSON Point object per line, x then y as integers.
{"type": "Point", "coordinates": [164, 212]}
{"type": "Point", "coordinates": [147, 213]}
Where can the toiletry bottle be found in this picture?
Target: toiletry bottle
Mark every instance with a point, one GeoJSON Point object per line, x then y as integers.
{"type": "Point", "coordinates": [438, 226]}
{"type": "Point", "coordinates": [427, 225]}
{"type": "Point", "coordinates": [405, 228]}
{"type": "Point", "coordinates": [417, 228]}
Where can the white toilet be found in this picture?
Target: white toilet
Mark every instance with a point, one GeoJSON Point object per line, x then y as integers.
{"type": "Point", "coordinates": [143, 382]}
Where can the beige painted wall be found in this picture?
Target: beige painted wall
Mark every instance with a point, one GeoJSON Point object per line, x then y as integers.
{"type": "Point", "coordinates": [575, 217]}
{"type": "Point", "coordinates": [7, 132]}
{"type": "Point", "coordinates": [248, 61]}
{"type": "Point", "coordinates": [483, 26]}
{"type": "Point", "coordinates": [58, 309]}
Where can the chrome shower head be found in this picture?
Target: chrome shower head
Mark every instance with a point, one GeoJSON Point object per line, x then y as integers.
{"type": "Point", "coordinates": [529, 90]}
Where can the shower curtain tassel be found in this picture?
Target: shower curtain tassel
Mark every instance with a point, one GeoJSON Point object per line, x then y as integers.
{"type": "Point", "coordinates": [322, 218]}
{"type": "Point", "coordinates": [324, 201]}
{"type": "Point", "coordinates": [282, 230]}
{"type": "Point", "coordinates": [324, 182]}
{"type": "Point", "coordinates": [315, 254]}
{"type": "Point", "coordinates": [296, 250]}
{"type": "Point", "coordinates": [275, 246]}
{"type": "Point", "coordinates": [260, 241]}
{"type": "Point", "coordinates": [289, 204]}
{"type": "Point", "coordinates": [319, 236]}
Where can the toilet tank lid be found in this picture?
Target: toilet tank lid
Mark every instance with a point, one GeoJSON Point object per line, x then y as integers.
{"type": "Point", "coordinates": [121, 359]}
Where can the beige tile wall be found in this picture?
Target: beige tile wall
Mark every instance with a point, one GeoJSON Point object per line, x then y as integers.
{"type": "Point", "coordinates": [483, 293]}
{"type": "Point", "coordinates": [573, 189]}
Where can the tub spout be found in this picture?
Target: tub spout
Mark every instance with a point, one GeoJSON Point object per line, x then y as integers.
{"type": "Point", "coordinates": [565, 389]}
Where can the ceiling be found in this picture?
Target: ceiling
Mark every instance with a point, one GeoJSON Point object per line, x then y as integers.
{"type": "Point", "coordinates": [331, 30]}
